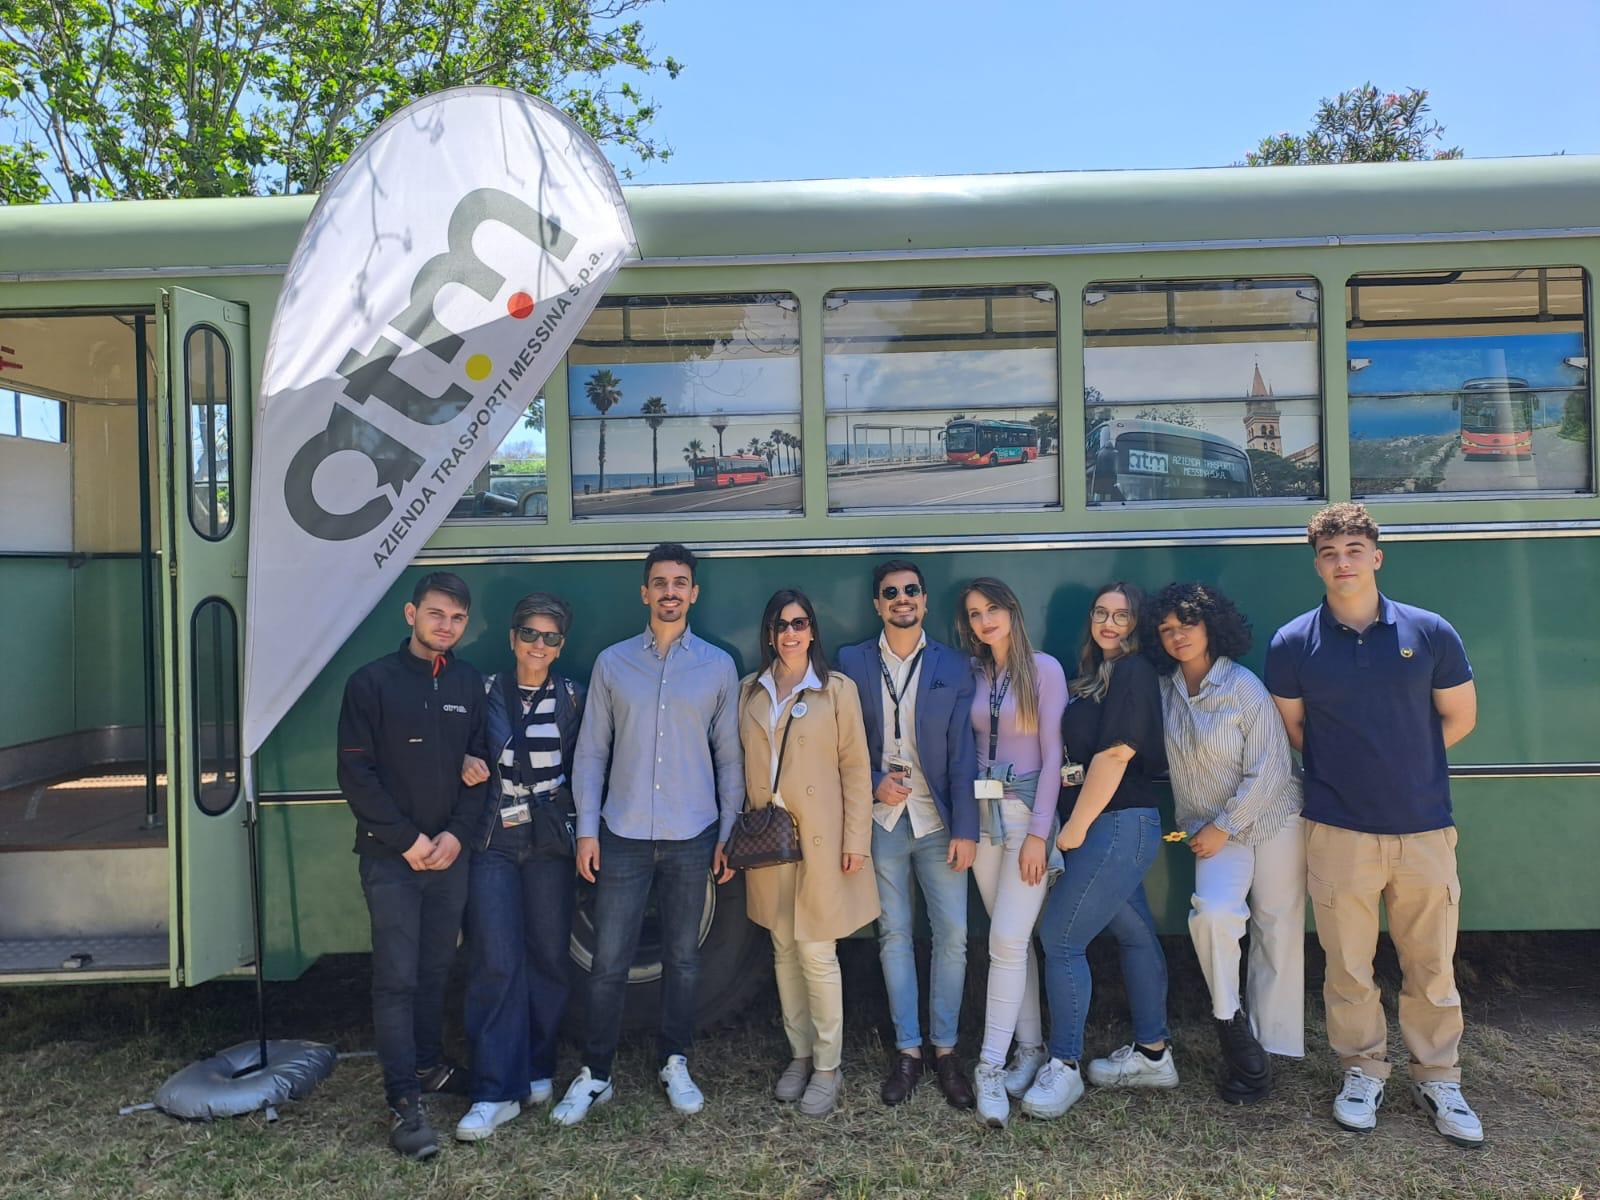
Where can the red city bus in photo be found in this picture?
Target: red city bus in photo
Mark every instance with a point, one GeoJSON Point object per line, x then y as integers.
{"type": "Point", "coordinates": [1496, 418]}
{"type": "Point", "coordinates": [981, 443]}
{"type": "Point", "coordinates": [730, 470]}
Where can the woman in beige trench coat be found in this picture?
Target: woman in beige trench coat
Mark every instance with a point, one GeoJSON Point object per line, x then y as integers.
{"type": "Point", "coordinates": [824, 781]}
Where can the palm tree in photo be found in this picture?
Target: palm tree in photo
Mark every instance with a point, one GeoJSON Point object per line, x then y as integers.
{"type": "Point", "coordinates": [604, 391]}
{"type": "Point", "coordinates": [655, 411]}
{"type": "Point", "coordinates": [769, 451]}
{"type": "Point", "coordinates": [695, 449]}
{"type": "Point", "coordinates": [792, 440]}
{"type": "Point", "coordinates": [776, 438]}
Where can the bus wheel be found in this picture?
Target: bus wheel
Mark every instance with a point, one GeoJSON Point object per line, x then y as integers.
{"type": "Point", "coordinates": [735, 961]}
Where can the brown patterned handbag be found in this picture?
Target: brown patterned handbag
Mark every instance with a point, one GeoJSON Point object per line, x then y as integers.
{"type": "Point", "coordinates": [770, 836]}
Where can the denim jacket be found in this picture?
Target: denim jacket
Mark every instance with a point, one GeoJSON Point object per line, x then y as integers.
{"type": "Point", "coordinates": [569, 713]}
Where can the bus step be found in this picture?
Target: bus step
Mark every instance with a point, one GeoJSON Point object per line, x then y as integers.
{"type": "Point", "coordinates": [58, 958]}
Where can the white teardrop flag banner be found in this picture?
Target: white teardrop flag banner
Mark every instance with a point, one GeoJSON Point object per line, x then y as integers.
{"type": "Point", "coordinates": [440, 279]}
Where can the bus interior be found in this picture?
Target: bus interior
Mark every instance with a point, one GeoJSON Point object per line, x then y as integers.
{"type": "Point", "coordinates": [83, 822]}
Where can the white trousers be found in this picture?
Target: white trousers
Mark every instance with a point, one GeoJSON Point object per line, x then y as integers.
{"type": "Point", "coordinates": [1013, 1002]}
{"type": "Point", "coordinates": [811, 992]}
{"type": "Point", "coordinates": [1263, 889]}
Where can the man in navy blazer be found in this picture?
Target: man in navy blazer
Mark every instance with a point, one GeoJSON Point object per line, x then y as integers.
{"type": "Point", "coordinates": [916, 698]}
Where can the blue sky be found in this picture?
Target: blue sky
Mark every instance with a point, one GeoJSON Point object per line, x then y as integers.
{"type": "Point", "coordinates": [907, 87]}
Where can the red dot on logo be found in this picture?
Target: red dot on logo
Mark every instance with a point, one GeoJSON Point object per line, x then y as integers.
{"type": "Point", "coordinates": [520, 306]}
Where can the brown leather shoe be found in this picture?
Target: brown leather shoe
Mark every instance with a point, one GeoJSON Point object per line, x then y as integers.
{"type": "Point", "coordinates": [903, 1077]}
{"type": "Point", "coordinates": [955, 1086]}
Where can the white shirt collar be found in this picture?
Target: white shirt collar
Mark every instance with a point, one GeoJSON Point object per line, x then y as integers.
{"type": "Point", "coordinates": [810, 682]}
{"type": "Point", "coordinates": [883, 647]}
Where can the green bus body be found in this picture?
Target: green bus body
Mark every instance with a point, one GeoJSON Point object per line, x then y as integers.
{"type": "Point", "coordinates": [1515, 574]}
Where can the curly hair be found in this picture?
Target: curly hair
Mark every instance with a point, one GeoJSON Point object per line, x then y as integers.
{"type": "Point", "coordinates": [1227, 629]}
{"type": "Point", "coordinates": [1337, 519]}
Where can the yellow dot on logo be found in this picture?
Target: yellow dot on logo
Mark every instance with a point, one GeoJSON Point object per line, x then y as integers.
{"type": "Point", "coordinates": [479, 366]}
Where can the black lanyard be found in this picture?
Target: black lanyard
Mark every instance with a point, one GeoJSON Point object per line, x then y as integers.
{"type": "Point", "coordinates": [997, 697]}
{"type": "Point", "coordinates": [784, 744]}
{"type": "Point", "coordinates": [896, 696]}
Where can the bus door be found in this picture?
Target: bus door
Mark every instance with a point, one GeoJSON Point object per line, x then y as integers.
{"type": "Point", "coordinates": [203, 382]}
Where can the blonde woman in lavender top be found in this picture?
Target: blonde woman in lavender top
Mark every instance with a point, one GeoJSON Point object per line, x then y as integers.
{"type": "Point", "coordinates": [1016, 721]}
{"type": "Point", "coordinates": [1238, 800]}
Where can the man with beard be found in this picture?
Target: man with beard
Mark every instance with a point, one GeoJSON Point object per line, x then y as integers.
{"type": "Point", "coordinates": [663, 714]}
{"type": "Point", "coordinates": [407, 721]}
{"type": "Point", "coordinates": [916, 698]}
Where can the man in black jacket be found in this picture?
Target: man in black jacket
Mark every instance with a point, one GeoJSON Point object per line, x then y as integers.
{"type": "Point", "coordinates": [407, 721]}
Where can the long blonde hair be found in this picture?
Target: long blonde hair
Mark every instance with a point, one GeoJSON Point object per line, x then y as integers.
{"type": "Point", "coordinates": [1094, 668]}
{"type": "Point", "coordinates": [1019, 655]}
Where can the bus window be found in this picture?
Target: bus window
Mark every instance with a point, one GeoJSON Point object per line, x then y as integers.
{"type": "Point", "coordinates": [208, 395]}
{"type": "Point", "coordinates": [657, 386]}
{"type": "Point", "coordinates": [512, 484]}
{"type": "Point", "coordinates": [922, 383]}
{"type": "Point", "coordinates": [1468, 381]}
{"type": "Point", "coordinates": [1202, 389]}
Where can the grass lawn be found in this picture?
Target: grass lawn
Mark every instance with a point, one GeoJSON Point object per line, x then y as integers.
{"type": "Point", "coordinates": [70, 1057]}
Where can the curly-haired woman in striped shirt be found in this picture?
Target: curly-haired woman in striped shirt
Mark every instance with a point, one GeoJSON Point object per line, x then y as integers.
{"type": "Point", "coordinates": [1237, 798]}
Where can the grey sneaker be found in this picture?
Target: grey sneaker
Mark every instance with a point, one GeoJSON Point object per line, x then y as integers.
{"type": "Point", "coordinates": [994, 1106]}
{"type": "Point", "coordinates": [1452, 1115]}
{"type": "Point", "coordinates": [791, 1084]}
{"type": "Point", "coordinates": [410, 1134]}
{"type": "Point", "coordinates": [1128, 1068]}
{"type": "Point", "coordinates": [1356, 1106]}
{"type": "Point", "coordinates": [1023, 1067]}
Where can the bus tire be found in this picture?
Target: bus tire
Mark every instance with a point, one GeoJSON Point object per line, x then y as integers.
{"type": "Point", "coordinates": [735, 964]}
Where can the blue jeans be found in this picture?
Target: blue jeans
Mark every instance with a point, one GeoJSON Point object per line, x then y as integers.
{"type": "Point", "coordinates": [629, 867]}
{"type": "Point", "coordinates": [1102, 889]}
{"type": "Point", "coordinates": [897, 857]}
{"type": "Point", "coordinates": [519, 931]}
{"type": "Point", "coordinates": [416, 919]}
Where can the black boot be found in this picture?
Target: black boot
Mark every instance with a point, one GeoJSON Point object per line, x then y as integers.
{"type": "Point", "coordinates": [411, 1135]}
{"type": "Point", "coordinates": [1247, 1072]}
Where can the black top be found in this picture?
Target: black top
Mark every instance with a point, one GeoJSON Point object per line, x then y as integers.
{"type": "Point", "coordinates": [1130, 715]}
{"type": "Point", "coordinates": [403, 729]}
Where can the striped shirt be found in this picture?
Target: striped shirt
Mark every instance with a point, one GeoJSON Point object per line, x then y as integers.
{"type": "Point", "coordinates": [542, 770]}
{"type": "Point", "coordinates": [1227, 754]}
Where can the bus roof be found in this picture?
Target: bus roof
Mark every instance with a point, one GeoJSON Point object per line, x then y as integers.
{"type": "Point", "coordinates": [1231, 205]}
{"type": "Point", "coordinates": [1121, 425]}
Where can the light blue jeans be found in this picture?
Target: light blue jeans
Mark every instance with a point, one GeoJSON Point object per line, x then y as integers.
{"type": "Point", "coordinates": [897, 857]}
{"type": "Point", "coordinates": [1102, 890]}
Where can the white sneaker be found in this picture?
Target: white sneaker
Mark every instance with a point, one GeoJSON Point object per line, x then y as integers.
{"type": "Point", "coordinates": [1452, 1115]}
{"type": "Point", "coordinates": [1356, 1105]}
{"type": "Point", "coordinates": [1128, 1068]}
{"type": "Point", "coordinates": [583, 1094]}
{"type": "Point", "coordinates": [1057, 1088]}
{"type": "Point", "coordinates": [484, 1117]}
{"type": "Point", "coordinates": [1025, 1064]}
{"type": "Point", "coordinates": [540, 1091]}
{"type": "Point", "coordinates": [994, 1106]}
{"type": "Point", "coordinates": [681, 1091]}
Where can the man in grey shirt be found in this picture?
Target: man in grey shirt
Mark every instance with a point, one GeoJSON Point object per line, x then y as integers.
{"type": "Point", "coordinates": [663, 715]}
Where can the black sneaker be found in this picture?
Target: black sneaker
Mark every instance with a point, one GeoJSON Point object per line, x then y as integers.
{"type": "Point", "coordinates": [446, 1078]}
{"type": "Point", "coordinates": [411, 1135]}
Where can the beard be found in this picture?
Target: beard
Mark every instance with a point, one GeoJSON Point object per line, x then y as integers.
{"type": "Point", "coordinates": [670, 616]}
{"type": "Point", "coordinates": [905, 620]}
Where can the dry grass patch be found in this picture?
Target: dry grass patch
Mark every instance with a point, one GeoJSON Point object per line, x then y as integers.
{"type": "Point", "coordinates": [71, 1057]}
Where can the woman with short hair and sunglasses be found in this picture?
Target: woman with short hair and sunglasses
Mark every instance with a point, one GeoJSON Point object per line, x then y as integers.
{"type": "Point", "coordinates": [522, 887]}
{"type": "Point", "coordinates": [1110, 834]}
{"type": "Point", "coordinates": [1016, 719]}
{"type": "Point", "coordinates": [1236, 797]}
{"type": "Point", "coordinates": [805, 749]}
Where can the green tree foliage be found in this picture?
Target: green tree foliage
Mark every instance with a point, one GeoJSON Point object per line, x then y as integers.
{"type": "Point", "coordinates": [1049, 427]}
{"type": "Point", "coordinates": [1361, 125]}
{"type": "Point", "coordinates": [142, 99]}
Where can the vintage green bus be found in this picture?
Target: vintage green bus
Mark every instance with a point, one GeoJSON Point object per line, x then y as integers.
{"type": "Point", "coordinates": [1317, 319]}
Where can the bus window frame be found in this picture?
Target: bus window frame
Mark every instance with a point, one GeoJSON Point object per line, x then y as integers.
{"type": "Point", "coordinates": [190, 410]}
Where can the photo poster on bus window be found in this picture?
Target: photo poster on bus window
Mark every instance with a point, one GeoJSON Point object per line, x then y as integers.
{"type": "Point", "coordinates": [1496, 413]}
{"type": "Point", "coordinates": [709, 429]}
{"type": "Point", "coordinates": [1214, 421]}
{"type": "Point", "coordinates": [910, 429]}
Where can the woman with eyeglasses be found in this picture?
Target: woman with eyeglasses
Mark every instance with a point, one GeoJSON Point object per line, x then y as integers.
{"type": "Point", "coordinates": [522, 886]}
{"type": "Point", "coordinates": [1016, 720]}
{"type": "Point", "coordinates": [1110, 834]}
{"type": "Point", "coordinates": [805, 749]}
{"type": "Point", "coordinates": [1238, 800]}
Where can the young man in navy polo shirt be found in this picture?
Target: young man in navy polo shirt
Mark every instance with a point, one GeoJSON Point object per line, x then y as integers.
{"type": "Point", "coordinates": [1372, 693]}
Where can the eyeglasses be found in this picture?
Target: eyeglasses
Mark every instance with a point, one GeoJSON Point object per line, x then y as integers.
{"type": "Point", "coordinates": [1122, 618]}
{"type": "Point", "coordinates": [799, 625]}
{"type": "Point", "coordinates": [528, 635]}
{"type": "Point", "coordinates": [912, 591]}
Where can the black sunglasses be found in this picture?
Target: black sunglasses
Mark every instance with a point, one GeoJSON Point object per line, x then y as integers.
{"type": "Point", "coordinates": [529, 635]}
{"type": "Point", "coordinates": [799, 625]}
{"type": "Point", "coordinates": [912, 590]}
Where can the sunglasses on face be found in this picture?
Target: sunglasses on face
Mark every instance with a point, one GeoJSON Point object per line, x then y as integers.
{"type": "Point", "coordinates": [912, 591]}
{"type": "Point", "coordinates": [799, 625]}
{"type": "Point", "coordinates": [528, 635]}
{"type": "Point", "coordinates": [1122, 618]}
